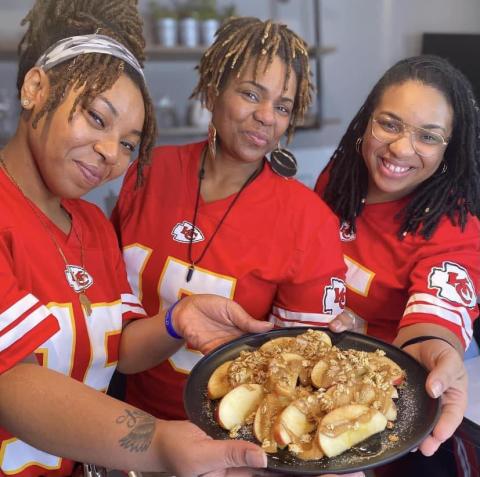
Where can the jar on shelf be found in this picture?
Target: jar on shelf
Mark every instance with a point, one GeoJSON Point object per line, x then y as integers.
{"type": "Point", "coordinates": [197, 115]}
{"type": "Point", "coordinates": [167, 31]}
{"type": "Point", "coordinates": [164, 24]}
{"type": "Point", "coordinates": [208, 28]}
{"type": "Point", "coordinates": [188, 32]}
{"type": "Point", "coordinates": [166, 113]}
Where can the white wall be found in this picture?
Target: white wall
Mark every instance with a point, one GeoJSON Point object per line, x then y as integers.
{"type": "Point", "coordinates": [369, 36]}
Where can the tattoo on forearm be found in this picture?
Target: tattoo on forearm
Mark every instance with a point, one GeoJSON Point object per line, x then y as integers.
{"type": "Point", "coordinates": [141, 429]}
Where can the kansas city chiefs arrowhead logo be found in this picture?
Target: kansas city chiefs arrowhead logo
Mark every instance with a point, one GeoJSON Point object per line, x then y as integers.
{"type": "Point", "coordinates": [334, 297]}
{"type": "Point", "coordinates": [184, 232]}
{"type": "Point", "coordinates": [451, 282]}
{"type": "Point", "coordinates": [346, 234]}
{"type": "Point", "coordinates": [78, 278]}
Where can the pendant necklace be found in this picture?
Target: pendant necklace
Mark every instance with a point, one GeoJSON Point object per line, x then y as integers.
{"type": "Point", "coordinates": [77, 277]}
{"type": "Point", "coordinates": [201, 175]}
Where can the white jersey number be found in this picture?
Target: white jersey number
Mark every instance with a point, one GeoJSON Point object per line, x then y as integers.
{"type": "Point", "coordinates": [172, 285]}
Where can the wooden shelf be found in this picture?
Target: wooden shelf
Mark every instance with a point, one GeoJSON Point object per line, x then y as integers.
{"type": "Point", "coordinates": [8, 51]}
{"type": "Point", "coordinates": [181, 53]}
{"type": "Point", "coordinates": [320, 50]}
{"type": "Point", "coordinates": [176, 53]}
{"type": "Point", "coordinates": [193, 131]}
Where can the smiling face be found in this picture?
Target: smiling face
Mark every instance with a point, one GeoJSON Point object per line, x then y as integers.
{"type": "Point", "coordinates": [396, 169]}
{"type": "Point", "coordinates": [95, 146]}
{"type": "Point", "coordinates": [251, 115]}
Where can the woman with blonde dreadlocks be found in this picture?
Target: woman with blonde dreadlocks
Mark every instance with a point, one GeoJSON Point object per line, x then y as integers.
{"type": "Point", "coordinates": [67, 314]}
{"type": "Point", "coordinates": [218, 217]}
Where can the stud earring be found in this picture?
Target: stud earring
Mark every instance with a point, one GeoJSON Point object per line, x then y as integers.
{"type": "Point", "coordinates": [25, 103]}
{"type": "Point", "coordinates": [283, 162]}
{"type": "Point", "coordinates": [212, 140]}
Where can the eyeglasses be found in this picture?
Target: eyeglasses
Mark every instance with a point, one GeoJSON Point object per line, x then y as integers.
{"type": "Point", "coordinates": [424, 142]}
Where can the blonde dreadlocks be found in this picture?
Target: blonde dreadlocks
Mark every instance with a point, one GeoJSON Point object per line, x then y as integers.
{"type": "Point", "coordinates": [52, 20]}
{"type": "Point", "coordinates": [244, 39]}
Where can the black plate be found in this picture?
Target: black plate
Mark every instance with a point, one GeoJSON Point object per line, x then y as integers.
{"type": "Point", "coordinates": [417, 412]}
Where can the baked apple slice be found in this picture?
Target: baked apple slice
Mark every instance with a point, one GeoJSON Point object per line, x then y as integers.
{"type": "Point", "coordinates": [395, 372]}
{"type": "Point", "coordinates": [308, 451]}
{"type": "Point", "coordinates": [266, 415]}
{"type": "Point", "coordinates": [291, 425]}
{"type": "Point", "coordinates": [319, 372]}
{"type": "Point", "coordinates": [315, 336]}
{"type": "Point", "coordinates": [238, 404]}
{"type": "Point", "coordinates": [283, 373]}
{"type": "Point", "coordinates": [390, 410]}
{"type": "Point", "coordinates": [218, 385]}
{"type": "Point", "coordinates": [346, 426]}
{"type": "Point", "coordinates": [278, 344]}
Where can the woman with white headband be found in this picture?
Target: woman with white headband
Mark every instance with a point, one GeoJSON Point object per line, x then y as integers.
{"type": "Point", "coordinates": [67, 315]}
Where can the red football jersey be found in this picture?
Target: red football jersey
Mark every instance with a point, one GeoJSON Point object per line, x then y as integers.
{"type": "Point", "coordinates": [393, 283]}
{"type": "Point", "coordinates": [40, 311]}
{"type": "Point", "coordinates": [277, 254]}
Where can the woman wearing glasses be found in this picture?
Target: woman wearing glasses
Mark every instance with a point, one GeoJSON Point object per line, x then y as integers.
{"type": "Point", "coordinates": [404, 182]}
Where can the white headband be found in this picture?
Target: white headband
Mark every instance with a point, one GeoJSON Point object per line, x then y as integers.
{"type": "Point", "coordinates": [71, 47]}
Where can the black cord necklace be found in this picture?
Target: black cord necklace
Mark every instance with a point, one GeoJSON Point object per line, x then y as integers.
{"type": "Point", "coordinates": [201, 175]}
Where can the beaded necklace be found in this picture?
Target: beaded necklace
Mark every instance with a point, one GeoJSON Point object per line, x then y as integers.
{"type": "Point", "coordinates": [201, 175]}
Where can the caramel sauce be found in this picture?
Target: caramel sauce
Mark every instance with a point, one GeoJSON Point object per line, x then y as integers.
{"type": "Point", "coordinates": [334, 430]}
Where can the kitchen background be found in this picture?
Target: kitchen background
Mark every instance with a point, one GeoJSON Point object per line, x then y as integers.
{"type": "Point", "coordinates": [362, 38]}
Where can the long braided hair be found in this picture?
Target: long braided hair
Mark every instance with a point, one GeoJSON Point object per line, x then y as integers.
{"type": "Point", "coordinates": [243, 39]}
{"type": "Point", "coordinates": [52, 20]}
{"type": "Point", "coordinates": [454, 193]}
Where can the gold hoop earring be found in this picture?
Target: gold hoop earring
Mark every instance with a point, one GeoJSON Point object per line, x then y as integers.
{"type": "Point", "coordinates": [283, 162]}
{"type": "Point", "coordinates": [212, 140]}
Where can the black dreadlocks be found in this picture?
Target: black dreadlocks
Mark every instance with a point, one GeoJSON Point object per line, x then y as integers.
{"type": "Point", "coordinates": [455, 193]}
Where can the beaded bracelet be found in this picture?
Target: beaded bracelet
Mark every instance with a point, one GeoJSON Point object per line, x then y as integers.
{"type": "Point", "coordinates": [168, 322]}
{"type": "Point", "coordinates": [420, 339]}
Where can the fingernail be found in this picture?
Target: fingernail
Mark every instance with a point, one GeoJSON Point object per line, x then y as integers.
{"type": "Point", "coordinates": [414, 450]}
{"type": "Point", "coordinates": [256, 458]}
{"type": "Point", "coordinates": [437, 389]}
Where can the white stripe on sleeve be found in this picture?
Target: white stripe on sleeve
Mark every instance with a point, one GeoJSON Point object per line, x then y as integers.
{"type": "Point", "coordinates": [16, 310]}
{"type": "Point", "coordinates": [27, 324]}
{"type": "Point", "coordinates": [287, 318]}
{"type": "Point", "coordinates": [432, 305]}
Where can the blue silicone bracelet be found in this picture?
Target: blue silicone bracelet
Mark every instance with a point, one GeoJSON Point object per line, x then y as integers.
{"type": "Point", "coordinates": [168, 323]}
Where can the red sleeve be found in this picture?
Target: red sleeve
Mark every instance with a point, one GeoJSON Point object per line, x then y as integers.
{"type": "Point", "coordinates": [445, 279]}
{"type": "Point", "coordinates": [315, 294]}
{"type": "Point", "coordinates": [131, 305]}
{"type": "Point", "coordinates": [25, 323]}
